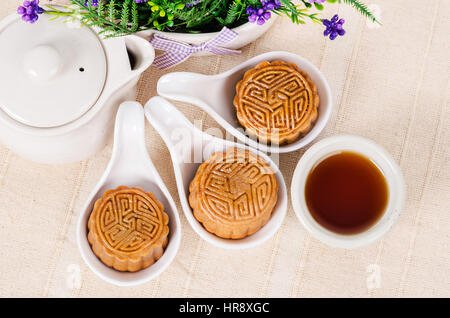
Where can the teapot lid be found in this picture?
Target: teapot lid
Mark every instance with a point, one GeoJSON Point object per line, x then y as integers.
{"type": "Point", "coordinates": [52, 72]}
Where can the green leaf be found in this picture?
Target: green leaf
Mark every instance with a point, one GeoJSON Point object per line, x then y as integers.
{"type": "Point", "coordinates": [361, 8]}
{"type": "Point", "coordinates": [307, 4]}
{"type": "Point", "coordinates": [318, 6]}
{"type": "Point", "coordinates": [134, 17]}
{"type": "Point", "coordinates": [112, 13]}
{"type": "Point", "coordinates": [124, 17]}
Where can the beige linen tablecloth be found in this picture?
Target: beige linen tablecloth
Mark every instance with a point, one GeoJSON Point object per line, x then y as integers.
{"type": "Point", "coordinates": [389, 84]}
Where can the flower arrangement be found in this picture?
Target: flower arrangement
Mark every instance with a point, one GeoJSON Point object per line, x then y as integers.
{"type": "Point", "coordinates": [122, 17]}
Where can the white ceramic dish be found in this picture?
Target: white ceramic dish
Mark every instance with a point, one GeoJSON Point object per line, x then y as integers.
{"type": "Point", "coordinates": [130, 165]}
{"type": "Point", "coordinates": [248, 33]}
{"type": "Point", "coordinates": [215, 93]}
{"type": "Point", "coordinates": [60, 87]}
{"type": "Point", "coordinates": [391, 171]}
{"type": "Point", "coordinates": [189, 147]}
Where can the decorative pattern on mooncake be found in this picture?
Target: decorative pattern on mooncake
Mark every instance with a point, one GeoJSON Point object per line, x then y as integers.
{"type": "Point", "coordinates": [233, 193]}
{"type": "Point", "coordinates": [128, 228]}
{"type": "Point", "coordinates": [276, 102]}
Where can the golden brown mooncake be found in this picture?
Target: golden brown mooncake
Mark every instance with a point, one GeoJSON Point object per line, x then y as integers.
{"type": "Point", "coordinates": [276, 102]}
{"type": "Point", "coordinates": [128, 229]}
{"type": "Point", "coordinates": [233, 193]}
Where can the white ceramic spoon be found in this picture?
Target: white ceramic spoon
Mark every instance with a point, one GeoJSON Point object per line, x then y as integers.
{"type": "Point", "coordinates": [215, 93]}
{"type": "Point", "coordinates": [130, 165]}
{"type": "Point", "coordinates": [189, 147]}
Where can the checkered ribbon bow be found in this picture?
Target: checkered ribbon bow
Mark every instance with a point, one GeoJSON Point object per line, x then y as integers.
{"type": "Point", "coordinates": [177, 52]}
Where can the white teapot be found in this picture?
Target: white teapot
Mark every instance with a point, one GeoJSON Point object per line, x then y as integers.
{"type": "Point", "coordinates": [61, 85]}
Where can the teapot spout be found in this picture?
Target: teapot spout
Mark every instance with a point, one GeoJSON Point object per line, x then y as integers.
{"type": "Point", "coordinates": [140, 53]}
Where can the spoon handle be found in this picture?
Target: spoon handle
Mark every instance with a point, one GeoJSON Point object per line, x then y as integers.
{"type": "Point", "coordinates": [129, 136]}
{"type": "Point", "coordinates": [183, 84]}
{"type": "Point", "coordinates": [168, 121]}
{"type": "Point", "coordinates": [198, 89]}
{"type": "Point", "coordinates": [212, 93]}
{"type": "Point", "coordinates": [186, 143]}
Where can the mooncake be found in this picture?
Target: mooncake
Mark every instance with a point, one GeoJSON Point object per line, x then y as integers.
{"type": "Point", "coordinates": [128, 229]}
{"type": "Point", "coordinates": [276, 102]}
{"type": "Point", "coordinates": [233, 193]}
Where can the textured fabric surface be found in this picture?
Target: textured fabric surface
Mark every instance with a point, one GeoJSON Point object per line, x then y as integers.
{"type": "Point", "coordinates": [389, 84]}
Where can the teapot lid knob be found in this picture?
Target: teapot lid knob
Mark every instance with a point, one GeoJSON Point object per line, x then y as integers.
{"type": "Point", "coordinates": [42, 62]}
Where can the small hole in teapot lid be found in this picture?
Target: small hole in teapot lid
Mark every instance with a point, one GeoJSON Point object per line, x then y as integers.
{"type": "Point", "coordinates": [81, 69]}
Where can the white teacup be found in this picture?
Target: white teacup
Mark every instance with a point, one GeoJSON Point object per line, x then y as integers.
{"type": "Point", "coordinates": [389, 168]}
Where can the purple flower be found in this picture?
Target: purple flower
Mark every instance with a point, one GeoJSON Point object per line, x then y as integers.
{"type": "Point", "coordinates": [261, 15]}
{"type": "Point", "coordinates": [191, 3]}
{"type": "Point", "coordinates": [270, 4]}
{"type": "Point", "coordinates": [30, 11]}
{"type": "Point", "coordinates": [333, 27]}
{"type": "Point", "coordinates": [317, 1]}
{"type": "Point", "coordinates": [257, 15]}
{"type": "Point", "coordinates": [94, 3]}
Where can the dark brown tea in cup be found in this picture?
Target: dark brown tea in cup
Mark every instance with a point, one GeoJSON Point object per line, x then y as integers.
{"type": "Point", "coordinates": [346, 193]}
